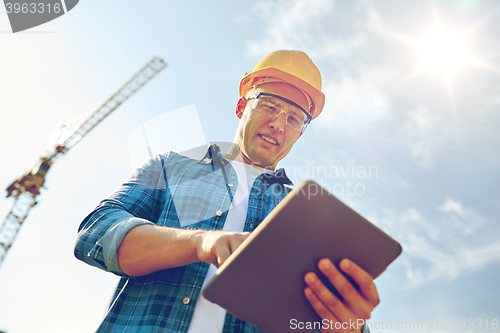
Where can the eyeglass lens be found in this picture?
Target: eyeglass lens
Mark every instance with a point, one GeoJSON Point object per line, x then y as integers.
{"type": "Point", "coordinates": [272, 108]}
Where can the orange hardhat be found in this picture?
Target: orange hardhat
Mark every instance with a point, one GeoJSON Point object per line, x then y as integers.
{"type": "Point", "coordinates": [292, 67]}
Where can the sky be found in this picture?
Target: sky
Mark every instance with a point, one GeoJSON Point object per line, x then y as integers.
{"type": "Point", "coordinates": [408, 137]}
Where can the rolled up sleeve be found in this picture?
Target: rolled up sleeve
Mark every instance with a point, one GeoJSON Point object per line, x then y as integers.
{"type": "Point", "coordinates": [133, 204]}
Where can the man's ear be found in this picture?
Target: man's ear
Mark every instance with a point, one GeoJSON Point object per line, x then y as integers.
{"type": "Point", "coordinates": [240, 107]}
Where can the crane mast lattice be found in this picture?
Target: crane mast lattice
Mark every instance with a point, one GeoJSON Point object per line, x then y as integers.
{"type": "Point", "coordinates": [26, 189]}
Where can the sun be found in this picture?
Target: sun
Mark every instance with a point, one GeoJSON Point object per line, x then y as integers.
{"type": "Point", "coordinates": [443, 51]}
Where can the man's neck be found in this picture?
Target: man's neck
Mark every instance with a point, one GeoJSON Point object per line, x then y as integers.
{"type": "Point", "coordinates": [247, 160]}
{"type": "Point", "coordinates": [236, 154]}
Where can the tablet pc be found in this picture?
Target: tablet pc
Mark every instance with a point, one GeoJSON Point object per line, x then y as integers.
{"type": "Point", "coordinates": [262, 282]}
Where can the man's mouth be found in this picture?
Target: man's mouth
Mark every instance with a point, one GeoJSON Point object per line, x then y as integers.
{"type": "Point", "coordinates": [268, 139]}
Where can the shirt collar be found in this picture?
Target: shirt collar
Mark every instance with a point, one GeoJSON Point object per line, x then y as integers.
{"type": "Point", "coordinates": [213, 154]}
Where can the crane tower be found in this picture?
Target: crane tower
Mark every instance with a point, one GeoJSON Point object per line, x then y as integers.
{"type": "Point", "coordinates": [26, 189]}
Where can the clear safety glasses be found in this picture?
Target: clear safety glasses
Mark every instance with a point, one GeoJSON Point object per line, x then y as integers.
{"type": "Point", "coordinates": [272, 106]}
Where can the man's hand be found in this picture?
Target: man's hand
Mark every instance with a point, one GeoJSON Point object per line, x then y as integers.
{"type": "Point", "coordinates": [356, 304]}
{"type": "Point", "coordinates": [150, 248]}
{"type": "Point", "coordinates": [214, 247]}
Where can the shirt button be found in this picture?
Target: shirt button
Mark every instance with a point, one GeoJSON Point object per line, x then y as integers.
{"type": "Point", "coordinates": [230, 185]}
{"type": "Point", "coordinates": [223, 163]}
{"type": "Point", "coordinates": [218, 213]}
{"type": "Point", "coordinates": [186, 300]}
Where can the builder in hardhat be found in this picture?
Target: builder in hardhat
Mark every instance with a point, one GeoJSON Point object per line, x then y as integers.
{"type": "Point", "coordinates": [139, 231]}
{"type": "Point", "coordinates": [288, 82]}
{"type": "Point", "coordinates": [285, 82]}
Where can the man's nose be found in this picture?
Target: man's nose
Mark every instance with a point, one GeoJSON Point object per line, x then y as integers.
{"type": "Point", "coordinates": [279, 122]}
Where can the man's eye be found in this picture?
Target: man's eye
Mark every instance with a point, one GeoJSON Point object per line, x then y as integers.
{"type": "Point", "coordinates": [268, 107]}
{"type": "Point", "coordinates": [293, 120]}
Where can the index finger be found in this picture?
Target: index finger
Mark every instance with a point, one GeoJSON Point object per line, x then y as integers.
{"type": "Point", "coordinates": [364, 280]}
{"type": "Point", "coordinates": [228, 245]}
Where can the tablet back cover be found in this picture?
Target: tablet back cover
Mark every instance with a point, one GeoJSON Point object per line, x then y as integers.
{"type": "Point", "coordinates": [262, 282]}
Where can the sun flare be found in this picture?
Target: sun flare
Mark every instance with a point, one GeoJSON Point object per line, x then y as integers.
{"type": "Point", "coordinates": [443, 51]}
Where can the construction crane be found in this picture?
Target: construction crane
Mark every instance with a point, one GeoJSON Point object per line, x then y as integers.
{"type": "Point", "coordinates": [26, 189]}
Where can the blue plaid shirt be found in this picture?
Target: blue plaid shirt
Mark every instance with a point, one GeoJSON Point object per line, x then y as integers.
{"type": "Point", "coordinates": [175, 191]}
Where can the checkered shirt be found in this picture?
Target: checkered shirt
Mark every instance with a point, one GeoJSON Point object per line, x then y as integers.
{"type": "Point", "coordinates": [175, 191]}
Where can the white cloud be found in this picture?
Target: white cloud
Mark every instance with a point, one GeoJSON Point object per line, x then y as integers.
{"type": "Point", "coordinates": [355, 103]}
{"type": "Point", "coordinates": [443, 247]}
{"type": "Point", "coordinates": [290, 23]}
{"type": "Point", "coordinates": [466, 220]}
{"type": "Point", "coordinates": [295, 25]}
{"type": "Point", "coordinates": [426, 133]}
{"type": "Point", "coordinates": [374, 19]}
{"type": "Point", "coordinates": [452, 206]}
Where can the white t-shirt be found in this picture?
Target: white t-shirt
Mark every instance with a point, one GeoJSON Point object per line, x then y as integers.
{"type": "Point", "coordinates": [209, 317]}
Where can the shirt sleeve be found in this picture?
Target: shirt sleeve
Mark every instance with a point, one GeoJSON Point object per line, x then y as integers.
{"type": "Point", "coordinates": [136, 202]}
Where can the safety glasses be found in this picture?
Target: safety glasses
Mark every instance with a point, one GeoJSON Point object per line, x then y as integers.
{"type": "Point", "coordinates": [272, 106]}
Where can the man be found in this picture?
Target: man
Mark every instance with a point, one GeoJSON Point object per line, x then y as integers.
{"type": "Point", "coordinates": [176, 216]}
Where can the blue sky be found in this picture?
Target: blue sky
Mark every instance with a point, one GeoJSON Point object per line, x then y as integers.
{"type": "Point", "coordinates": [411, 94]}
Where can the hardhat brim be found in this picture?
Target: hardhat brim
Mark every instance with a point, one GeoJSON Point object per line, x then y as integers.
{"type": "Point", "coordinates": [316, 96]}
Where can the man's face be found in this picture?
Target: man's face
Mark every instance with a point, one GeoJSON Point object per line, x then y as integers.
{"type": "Point", "coordinates": [263, 140]}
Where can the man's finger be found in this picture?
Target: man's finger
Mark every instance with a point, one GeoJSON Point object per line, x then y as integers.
{"type": "Point", "coordinates": [353, 302]}
{"type": "Point", "coordinates": [338, 280]}
{"type": "Point", "coordinates": [228, 244]}
{"type": "Point", "coordinates": [364, 280]}
{"type": "Point", "coordinates": [318, 306]}
{"type": "Point", "coordinates": [222, 254]}
{"type": "Point", "coordinates": [335, 307]}
{"type": "Point", "coordinates": [236, 240]}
